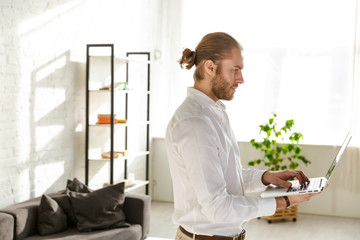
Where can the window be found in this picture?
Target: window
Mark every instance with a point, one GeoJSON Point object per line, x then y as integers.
{"type": "Point", "coordinates": [298, 58]}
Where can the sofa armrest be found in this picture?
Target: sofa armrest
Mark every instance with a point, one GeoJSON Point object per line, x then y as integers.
{"type": "Point", "coordinates": [25, 217]}
{"type": "Point", "coordinates": [137, 211]}
{"type": "Point", "coordinates": [6, 226]}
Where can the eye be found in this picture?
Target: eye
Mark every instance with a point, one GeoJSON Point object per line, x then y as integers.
{"type": "Point", "coordinates": [236, 70]}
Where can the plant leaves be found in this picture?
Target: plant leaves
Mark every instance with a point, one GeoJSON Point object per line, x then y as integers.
{"type": "Point", "coordinates": [274, 152]}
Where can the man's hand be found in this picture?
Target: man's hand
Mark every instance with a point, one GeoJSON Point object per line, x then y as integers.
{"type": "Point", "coordinates": [280, 178]}
{"type": "Point", "coordinates": [294, 200]}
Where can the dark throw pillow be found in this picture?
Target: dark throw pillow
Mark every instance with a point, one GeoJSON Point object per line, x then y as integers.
{"type": "Point", "coordinates": [100, 209]}
{"type": "Point", "coordinates": [64, 202]}
{"type": "Point", "coordinates": [51, 218]}
{"type": "Point", "coordinates": [76, 186]}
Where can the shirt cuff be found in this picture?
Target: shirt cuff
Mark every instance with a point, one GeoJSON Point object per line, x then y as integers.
{"type": "Point", "coordinates": [262, 172]}
{"type": "Point", "coordinates": [260, 186]}
{"type": "Point", "coordinates": [267, 207]}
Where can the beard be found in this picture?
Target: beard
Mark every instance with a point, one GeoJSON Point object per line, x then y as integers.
{"type": "Point", "coordinates": [221, 88]}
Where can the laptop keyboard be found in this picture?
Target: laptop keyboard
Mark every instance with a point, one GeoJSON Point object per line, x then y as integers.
{"type": "Point", "coordinates": [315, 183]}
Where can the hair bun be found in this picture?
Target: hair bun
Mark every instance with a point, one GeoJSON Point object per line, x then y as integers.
{"type": "Point", "coordinates": [188, 58]}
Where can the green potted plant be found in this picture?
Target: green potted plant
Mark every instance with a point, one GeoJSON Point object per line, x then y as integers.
{"type": "Point", "coordinates": [278, 154]}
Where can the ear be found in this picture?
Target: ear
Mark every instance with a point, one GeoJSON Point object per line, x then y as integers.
{"type": "Point", "coordinates": [210, 68]}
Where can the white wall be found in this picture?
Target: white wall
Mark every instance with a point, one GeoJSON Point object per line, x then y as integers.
{"type": "Point", "coordinates": [340, 198]}
{"type": "Point", "coordinates": [42, 90]}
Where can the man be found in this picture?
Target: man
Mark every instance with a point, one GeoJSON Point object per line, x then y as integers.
{"type": "Point", "coordinates": [209, 181]}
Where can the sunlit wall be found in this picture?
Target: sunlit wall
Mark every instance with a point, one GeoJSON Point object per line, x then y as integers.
{"type": "Point", "coordinates": [42, 90]}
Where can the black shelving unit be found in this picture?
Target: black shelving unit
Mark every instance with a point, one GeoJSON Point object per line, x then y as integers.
{"type": "Point", "coordinates": [112, 92]}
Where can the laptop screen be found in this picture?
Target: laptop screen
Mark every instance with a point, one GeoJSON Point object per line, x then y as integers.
{"type": "Point", "coordinates": [338, 156]}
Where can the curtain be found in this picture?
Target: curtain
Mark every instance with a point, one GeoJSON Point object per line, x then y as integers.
{"type": "Point", "coordinates": [352, 159]}
{"type": "Point", "coordinates": [355, 117]}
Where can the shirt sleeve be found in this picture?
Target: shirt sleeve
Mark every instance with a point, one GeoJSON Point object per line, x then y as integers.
{"type": "Point", "coordinates": [252, 180]}
{"type": "Point", "coordinates": [195, 139]}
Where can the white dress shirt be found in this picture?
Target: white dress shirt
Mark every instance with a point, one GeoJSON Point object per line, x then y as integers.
{"type": "Point", "coordinates": [208, 179]}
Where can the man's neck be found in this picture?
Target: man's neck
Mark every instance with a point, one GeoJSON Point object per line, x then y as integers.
{"type": "Point", "coordinates": [206, 89]}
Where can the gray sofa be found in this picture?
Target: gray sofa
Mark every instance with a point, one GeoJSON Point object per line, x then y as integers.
{"type": "Point", "coordinates": [19, 221]}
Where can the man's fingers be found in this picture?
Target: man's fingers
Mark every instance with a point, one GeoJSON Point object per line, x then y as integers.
{"type": "Point", "coordinates": [282, 177]}
{"type": "Point", "coordinates": [285, 184]}
{"type": "Point", "coordinates": [297, 199]}
{"type": "Point", "coordinates": [301, 177]}
{"type": "Point", "coordinates": [304, 176]}
{"type": "Point", "coordinates": [310, 195]}
{"type": "Point", "coordinates": [298, 176]}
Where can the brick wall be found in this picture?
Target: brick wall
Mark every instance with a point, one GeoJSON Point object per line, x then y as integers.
{"type": "Point", "coordinates": [42, 89]}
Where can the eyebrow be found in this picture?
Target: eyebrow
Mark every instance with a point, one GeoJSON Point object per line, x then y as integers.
{"type": "Point", "coordinates": [239, 66]}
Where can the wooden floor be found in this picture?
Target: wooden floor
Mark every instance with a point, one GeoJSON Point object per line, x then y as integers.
{"type": "Point", "coordinates": [306, 227]}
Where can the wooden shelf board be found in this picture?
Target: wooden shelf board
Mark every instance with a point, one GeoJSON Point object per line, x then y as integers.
{"type": "Point", "coordinates": [120, 124]}
{"type": "Point", "coordinates": [127, 156]}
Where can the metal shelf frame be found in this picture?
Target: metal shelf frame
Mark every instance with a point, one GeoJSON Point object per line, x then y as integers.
{"type": "Point", "coordinates": [112, 124]}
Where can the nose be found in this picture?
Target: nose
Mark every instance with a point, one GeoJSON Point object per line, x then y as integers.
{"type": "Point", "coordinates": [239, 78]}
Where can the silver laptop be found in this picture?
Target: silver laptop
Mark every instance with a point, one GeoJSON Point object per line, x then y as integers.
{"type": "Point", "coordinates": [316, 184]}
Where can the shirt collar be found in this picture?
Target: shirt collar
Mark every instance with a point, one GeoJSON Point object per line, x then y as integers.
{"type": "Point", "coordinates": [203, 100]}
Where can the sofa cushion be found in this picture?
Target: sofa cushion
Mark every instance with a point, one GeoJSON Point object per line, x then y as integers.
{"type": "Point", "coordinates": [51, 218]}
{"type": "Point", "coordinates": [131, 233]}
{"type": "Point", "coordinates": [76, 186]}
{"type": "Point", "coordinates": [100, 209]}
{"type": "Point", "coordinates": [63, 199]}
{"type": "Point", "coordinates": [64, 202]}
